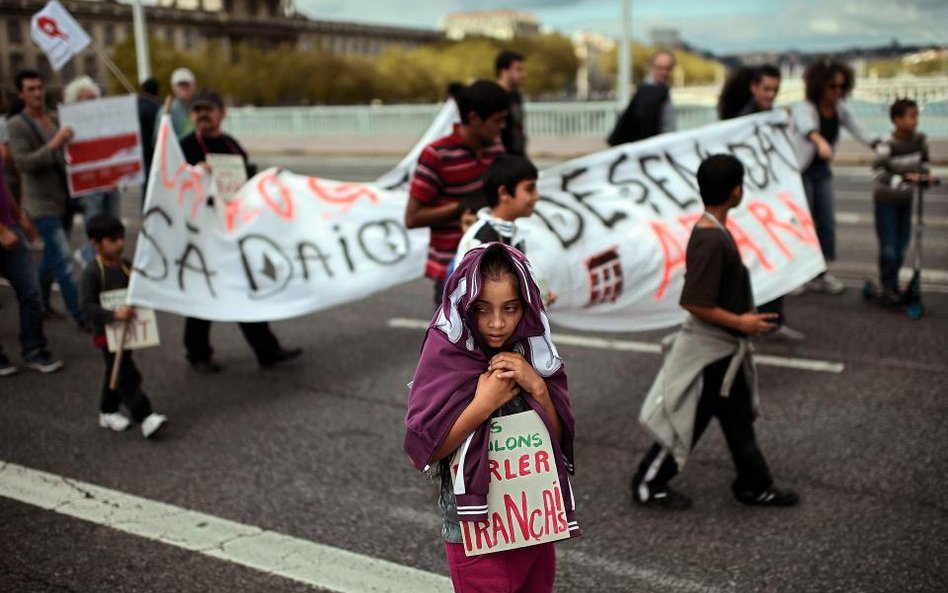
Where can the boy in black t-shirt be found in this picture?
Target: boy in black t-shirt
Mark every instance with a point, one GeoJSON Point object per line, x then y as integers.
{"type": "Point", "coordinates": [709, 369]}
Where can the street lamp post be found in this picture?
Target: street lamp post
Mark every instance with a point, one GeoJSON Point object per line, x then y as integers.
{"type": "Point", "coordinates": [625, 66]}
{"type": "Point", "coordinates": [143, 60]}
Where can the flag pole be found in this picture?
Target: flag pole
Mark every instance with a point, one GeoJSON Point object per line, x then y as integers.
{"type": "Point", "coordinates": [143, 59]}
{"type": "Point", "coordinates": [115, 69]}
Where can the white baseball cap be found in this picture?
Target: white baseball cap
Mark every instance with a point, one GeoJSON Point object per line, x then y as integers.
{"type": "Point", "coordinates": [182, 75]}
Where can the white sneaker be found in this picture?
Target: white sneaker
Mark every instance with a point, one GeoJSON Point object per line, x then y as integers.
{"type": "Point", "coordinates": [789, 334]}
{"type": "Point", "coordinates": [832, 284]}
{"type": "Point", "coordinates": [113, 421]}
{"type": "Point", "coordinates": [152, 424]}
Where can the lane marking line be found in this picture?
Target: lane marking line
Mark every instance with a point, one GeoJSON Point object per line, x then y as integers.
{"type": "Point", "coordinates": [804, 364]}
{"type": "Point", "coordinates": [317, 565]}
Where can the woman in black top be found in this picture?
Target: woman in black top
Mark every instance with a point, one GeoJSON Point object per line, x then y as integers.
{"type": "Point", "coordinates": [818, 120]}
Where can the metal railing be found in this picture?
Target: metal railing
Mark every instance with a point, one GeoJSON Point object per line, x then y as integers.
{"type": "Point", "coordinates": [569, 119]}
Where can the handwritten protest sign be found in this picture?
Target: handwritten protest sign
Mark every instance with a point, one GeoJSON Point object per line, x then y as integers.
{"type": "Point", "coordinates": [228, 174]}
{"type": "Point", "coordinates": [609, 232]}
{"type": "Point", "coordinates": [142, 331]}
{"type": "Point", "coordinates": [524, 503]}
{"type": "Point", "coordinates": [611, 228]}
{"type": "Point", "coordinates": [106, 148]}
{"type": "Point", "coordinates": [284, 246]}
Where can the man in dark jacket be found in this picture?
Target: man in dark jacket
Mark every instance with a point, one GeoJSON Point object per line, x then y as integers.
{"type": "Point", "coordinates": [207, 112]}
{"type": "Point", "coordinates": [650, 112]}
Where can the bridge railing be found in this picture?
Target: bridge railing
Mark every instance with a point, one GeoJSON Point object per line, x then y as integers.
{"type": "Point", "coordinates": [564, 119]}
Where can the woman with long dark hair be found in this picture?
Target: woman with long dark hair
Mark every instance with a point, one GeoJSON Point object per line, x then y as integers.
{"type": "Point", "coordinates": [818, 120]}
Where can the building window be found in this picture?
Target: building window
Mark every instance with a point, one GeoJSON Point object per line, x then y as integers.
{"type": "Point", "coordinates": [43, 67]}
{"type": "Point", "coordinates": [252, 7]}
{"type": "Point", "coordinates": [228, 6]}
{"type": "Point", "coordinates": [90, 66]}
{"type": "Point", "coordinates": [109, 35]}
{"type": "Point", "coordinates": [16, 62]}
{"type": "Point", "coordinates": [188, 38]}
{"type": "Point", "coordinates": [14, 32]}
{"type": "Point", "coordinates": [69, 71]}
{"type": "Point", "coordinates": [169, 34]}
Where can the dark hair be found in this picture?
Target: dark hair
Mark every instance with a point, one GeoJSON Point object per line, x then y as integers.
{"type": "Point", "coordinates": [505, 60]}
{"type": "Point", "coordinates": [483, 97]}
{"type": "Point", "coordinates": [454, 89]}
{"type": "Point", "coordinates": [506, 171]}
{"type": "Point", "coordinates": [718, 175]}
{"type": "Point", "coordinates": [736, 93]}
{"type": "Point", "coordinates": [901, 107]}
{"type": "Point", "coordinates": [26, 74]}
{"type": "Point", "coordinates": [496, 264]}
{"type": "Point", "coordinates": [104, 226]}
{"type": "Point", "coordinates": [150, 86]}
{"type": "Point", "coordinates": [821, 73]}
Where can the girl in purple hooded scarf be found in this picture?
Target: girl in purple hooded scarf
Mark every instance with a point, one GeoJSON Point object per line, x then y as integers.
{"type": "Point", "coordinates": [488, 353]}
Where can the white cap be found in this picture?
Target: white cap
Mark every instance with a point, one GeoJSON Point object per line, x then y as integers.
{"type": "Point", "coordinates": [182, 75]}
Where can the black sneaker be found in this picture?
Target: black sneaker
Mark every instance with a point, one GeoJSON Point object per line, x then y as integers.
{"type": "Point", "coordinates": [282, 356]}
{"type": "Point", "coordinates": [43, 362]}
{"type": "Point", "coordinates": [771, 497]}
{"type": "Point", "coordinates": [206, 367]}
{"type": "Point", "coordinates": [664, 498]}
{"type": "Point", "coordinates": [7, 368]}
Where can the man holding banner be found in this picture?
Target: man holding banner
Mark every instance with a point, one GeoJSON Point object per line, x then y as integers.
{"type": "Point", "coordinates": [207, 113]}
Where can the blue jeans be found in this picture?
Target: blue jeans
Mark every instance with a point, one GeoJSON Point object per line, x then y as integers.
{"type": "Point", "coordinates": [818, 185]}
{"type": "Point", "coordinates": [16, 265]}
{"type": "Point", "coordinates": [894, 229]}
{"type": "Point", "coordinates": [106, 202]}
{"type": "Point", "coordinates": [57, 262]}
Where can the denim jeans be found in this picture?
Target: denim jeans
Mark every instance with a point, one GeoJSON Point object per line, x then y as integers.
{"type": "Point", "coordinates": [818, 186]}
{"type": "Point", "coordinates": [57, 262]}
{"type": "Point", "coordinates": [106, 202]}
{"type": "Point", "coordinates": [18, 267]}
{"type": "Point", "coordinates": [894, 229]}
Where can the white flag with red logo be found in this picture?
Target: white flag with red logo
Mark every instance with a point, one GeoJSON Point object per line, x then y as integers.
{"type": "Point", "coordinates": [58, 34]}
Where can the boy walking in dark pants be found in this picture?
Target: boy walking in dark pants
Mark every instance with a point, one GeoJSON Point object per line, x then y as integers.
{"type": "Point", "coordinates": [111, 272]}
{"type": "Point", "coordinates": [709, 369]}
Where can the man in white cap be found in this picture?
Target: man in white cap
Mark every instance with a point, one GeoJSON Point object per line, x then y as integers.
{"type": "Point", "coordinates": [183, 86]}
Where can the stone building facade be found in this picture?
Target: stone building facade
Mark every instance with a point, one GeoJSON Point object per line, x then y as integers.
{"type": "Point", "coordinates": [189, 25]}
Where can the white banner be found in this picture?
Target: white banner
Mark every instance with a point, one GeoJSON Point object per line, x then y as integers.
{"type": "Point", "coordinates": [59, 35]}
{"type": "Point", "coordinates": [106, 148]}
{"type": "Point", "coordinates": [621, 219]}
{"type": "Point", "coordinates": [283, 246]}
{"type": "Point", "coordinates": [609, 232]}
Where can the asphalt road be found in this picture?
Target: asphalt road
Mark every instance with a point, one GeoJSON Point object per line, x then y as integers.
{"type": "Point", "coordinates": [313, 450]}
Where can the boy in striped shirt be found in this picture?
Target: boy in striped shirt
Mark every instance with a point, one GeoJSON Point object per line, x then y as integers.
{"type": "Point", "coordinates": [446, 190]}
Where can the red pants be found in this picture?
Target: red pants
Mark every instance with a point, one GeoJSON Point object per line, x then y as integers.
{"type": "Point", "coordinates": [524, 570]}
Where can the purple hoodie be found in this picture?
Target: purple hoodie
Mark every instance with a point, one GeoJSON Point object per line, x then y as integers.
{"type": "Point", "coordinates": [452, 359]}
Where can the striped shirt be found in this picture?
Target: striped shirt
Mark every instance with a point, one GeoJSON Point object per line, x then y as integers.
{"type": "Point", "coordinates": [448, 171]}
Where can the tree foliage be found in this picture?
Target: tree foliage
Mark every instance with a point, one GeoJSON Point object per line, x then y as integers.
{"type": "Point", "coordinates": [290, 76]}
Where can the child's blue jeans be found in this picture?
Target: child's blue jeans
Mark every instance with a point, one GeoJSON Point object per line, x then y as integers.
{"type": "Point", "coordinates": [894, 229]}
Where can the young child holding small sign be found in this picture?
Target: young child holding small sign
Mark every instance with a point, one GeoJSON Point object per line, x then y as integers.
{"type": "Point", "coordinates": [488, 357]}
{"type": "Point", "coordinates": [111, 272]}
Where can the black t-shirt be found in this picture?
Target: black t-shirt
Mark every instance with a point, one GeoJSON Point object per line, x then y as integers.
{"type": "Point", "coordinates": [715, 275]}
{"type": "Point", "coordinates": [515, 142]}
{"type": "Point", "coordinates": [829, 130]}
{"type": "Point", "coordinates": [196, 148]}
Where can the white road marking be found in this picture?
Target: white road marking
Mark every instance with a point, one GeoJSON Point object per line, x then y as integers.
{"type": "Point", "coordinates": [318, 565]}
{"type": "Point", "coordinates": [805, 364]}
{"type": "Point", "coordinates": [937, 222]}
